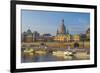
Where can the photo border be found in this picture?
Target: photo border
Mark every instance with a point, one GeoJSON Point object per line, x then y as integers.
{"type": "Point", "coordinates": [13, 35]}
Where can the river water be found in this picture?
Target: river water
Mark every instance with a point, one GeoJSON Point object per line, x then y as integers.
{"type": "Point", "coordinates": [47, 58]}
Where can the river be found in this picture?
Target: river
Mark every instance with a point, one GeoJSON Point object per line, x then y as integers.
{"type": "Point", "coordinates": [48, 57]}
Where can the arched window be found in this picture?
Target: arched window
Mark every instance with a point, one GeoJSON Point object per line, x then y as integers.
{"type": "Point", "coordinates": [76, 45]}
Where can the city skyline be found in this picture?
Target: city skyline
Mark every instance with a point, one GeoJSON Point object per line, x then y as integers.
{"type": "Point", "coordinates": [48, 22]}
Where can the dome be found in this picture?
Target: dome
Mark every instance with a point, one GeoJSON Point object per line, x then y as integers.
{"type": "Point", "coordinates": [62, 29]}
{"type": "Point", "coordinates": [29, 31]}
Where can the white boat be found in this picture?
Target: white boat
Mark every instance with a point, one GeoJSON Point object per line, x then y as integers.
{"type": "Point", "coordinates": [68, 53]}
{"type": "Point", "coordinates": [62, 53]}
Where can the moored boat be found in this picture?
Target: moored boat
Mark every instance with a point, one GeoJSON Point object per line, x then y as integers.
{"type": "Point", "coordinates": [62, 53]}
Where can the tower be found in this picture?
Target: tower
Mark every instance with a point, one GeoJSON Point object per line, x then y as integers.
{"type": "Point", "coordinates": [28, 36]}
{"type": "Point", "coordinates": [61, 34]}
{"type": "Point", "coordinates": [62, 29]}
{"type": "Point", "coordinates": [57, 32]}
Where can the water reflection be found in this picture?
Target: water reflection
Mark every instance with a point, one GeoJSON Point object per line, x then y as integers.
{"type": "Point", "coordinates": [30, 55]}
{"type": "Point", "coordinates": [46, 58]}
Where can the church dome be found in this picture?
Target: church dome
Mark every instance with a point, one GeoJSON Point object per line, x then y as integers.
{"type": "Point", "coordinates": [62, 29]}
{"type": "Point", "coordinates": [29, 31]}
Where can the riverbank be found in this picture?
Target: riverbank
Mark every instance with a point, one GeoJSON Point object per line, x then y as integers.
{"type": "Point", "coordinates": [61, 54]}
{"type": "Point", "coordinates": [85, 44]}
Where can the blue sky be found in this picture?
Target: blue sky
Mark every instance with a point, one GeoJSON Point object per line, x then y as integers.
{"type": "Point", "coordinates": [49, 21]}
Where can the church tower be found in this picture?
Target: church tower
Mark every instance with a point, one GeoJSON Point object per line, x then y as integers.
{"type": "Point", "coordinates": [62, 35]}
{"type": "Point", "coordinates": [57, 32]}
{"type": "Point", "coordinates": [62, 29]}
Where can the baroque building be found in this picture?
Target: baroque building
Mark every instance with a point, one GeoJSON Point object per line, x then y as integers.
{"type": "Point", "coordinates": [27, 36]}
{"type": "Point", "coordinates": [35, 36]}
{"type": "Point", "coordinates": [62, 35]}
{"type": "Point", "coordinates": [88, 34]}
{"type": "Point", "coordinates": [76, 38]}
{"type": "Point", "coordinates": [62, 29]}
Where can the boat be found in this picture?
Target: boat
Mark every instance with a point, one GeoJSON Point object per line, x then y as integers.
{"type": "Point", "coordinates": [28, 50]}
{"type": "Point", "coordinates": [68, 53]}
{"type": "Point", "coordinates": [62, 53]}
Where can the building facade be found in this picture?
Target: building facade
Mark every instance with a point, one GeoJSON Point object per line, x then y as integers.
{"type": "Point", "coordinates": [76, 38]}
{"type": "Point", "coordinates": [88, 34]}
{"type": "Point", "coordinates": [27, 36]}
{"type": "Point", "coordinates": [62, 35]}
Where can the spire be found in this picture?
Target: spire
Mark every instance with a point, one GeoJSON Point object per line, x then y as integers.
{"type": "Point", "coordinates": [88, 30]}
{"type": "Point", "coordinates": [57, 32]}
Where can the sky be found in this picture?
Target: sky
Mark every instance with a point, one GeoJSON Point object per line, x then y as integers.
{"type": "Point", "coordinates": [49, 21]}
